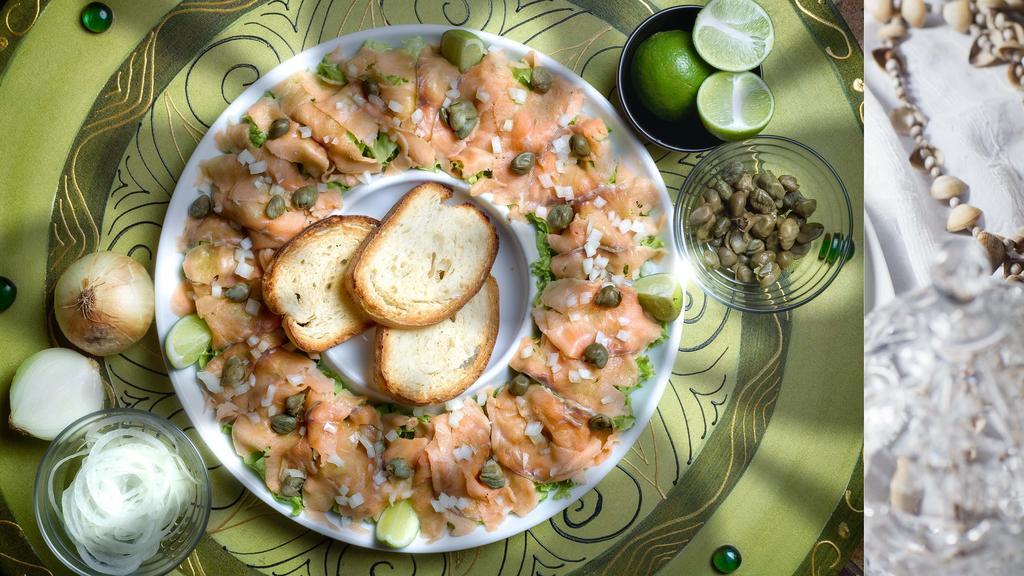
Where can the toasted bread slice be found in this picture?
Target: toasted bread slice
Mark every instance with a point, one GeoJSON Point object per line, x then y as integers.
{"type": "Point", "coordinates": [305, 283]}
{"type": "Point", "coordinates": [433, 364]}
{"type": "Point", "coordinates": [425, 261]}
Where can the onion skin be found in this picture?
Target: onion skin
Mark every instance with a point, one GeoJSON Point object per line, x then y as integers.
{"type": "Point", "coordinates": [104, 303]}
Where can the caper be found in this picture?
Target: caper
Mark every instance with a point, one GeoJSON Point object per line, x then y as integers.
{"type": "Point", "coordinates": [744, 273]}
{"type": "Point", "coordinates": [233, 372]}
{"type": "Point", "coordinates": [745, 182]}
{"type": "Point", "coordinates": [399, 468]}
{"type": "Point", "coordinates": [492, 475]}
{"type": "Point", "coordinates": [518, 385]}
{"type": "Point", "coordinates": [810, 232]}
{"type": "Point", "coordinates": [200, 207]}
{"type": "Point", "coordinates": [738, 240]}
{"type": "Point", "coordinates": [560, 217]}
{"type": "Point", "coordinates": [522, 163]}
{"type": "Point", "coordinates": [284, 423]}
{"type": "Point", "coordinates": [789, 183]}
{"type": "Point", "coordinates": [238, 293]}
{"type": "Point", "coordinates": [710, 258]}
{"type": "Point", "coordinates": [785, 259]}
{"type": "Point", "coordinates": [600, 422]}
{"type": "Point", "coordinates": [770, 184]}
{"type": "Point", "coordinates": [738, 203]}
{"type": "Point", "coordinates": [712, 201]}
{"type": "Point", "coordinates": [704, 230]}
{"type": "Point", "coordinates": [727, 258]}
{"type": "Point", "coordinates": [768, 274]}
{"type": "Point", "coordinates": [700, 215]}
{"type": "Point", "coordinates": [763, 225]}
{"type": "Point", "coordinates": [295, 403]}
{"type": "Point", "coordinates": [276, 207]}
{"type": "Point", "coordinates": [579, 146]}
{"type": "Point", "coordinates": [305, 198]}
{"type": "Point", "coordinates": [540, 80]}
{"type": "Point", "coordinates": [732, 172]}
{"type": "Point", "coordinates": [372, 87]}
{"type": "Point", "coordinates": [462, 118]}
{"type": "Point", "coordinates": [800, 250]}
{"type": "Point", "coordinates": [755, 246]}
{"type": "Point", "coordinates": [278, 128]}
{"type": "Point", "coordinates": [596, 354]}
{"type": "Point", "coordinates": [772, 242]}
{"type": "Point", "coordinates": [791, 198]}
{"type": "Point", "coordinates": [761, 258]}
{"type": "Point", "coordinates": [788, 231]}
{"type": "Point", "coordinates": [805, 207]}
{"type": "Point", "coordinates": [608, 296]}
{"type": "Point", "coordinates": [723, 189]}
{"type": "Point", "coordinates": [761, 202]}
{"type": "Point", "coordinates": [721, 227]}
{"type": "Point", "coordinates": [462, 48]}
{"type": "Point", "coordinates": [292, 486]}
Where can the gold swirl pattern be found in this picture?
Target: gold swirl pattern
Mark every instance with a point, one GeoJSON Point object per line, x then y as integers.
{"type": "Point", "coordinates": [834, 561]}
{"type": "Point", "coordinates": [13, 9]}
{"type": "Point", "coordinates": [842, 33]}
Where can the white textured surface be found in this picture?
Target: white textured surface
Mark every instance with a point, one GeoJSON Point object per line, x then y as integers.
{"type": "Point", "coordinates": [975, 118]}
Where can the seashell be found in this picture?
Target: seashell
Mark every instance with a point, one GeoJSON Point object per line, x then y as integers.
{"type": "Point", "coordinates": [957, 14]}
{"type": "Point", "coordinates": [914, 12]}
{"type": "Point", "coordinates": [963, 217]}
{"type": "Point", "coordinates": [902, 119]}
{"type": "Point", "coordinates": [980, 56]}
{"type": "Point", "coordinates": [882, 10]}
{"type": "Point", "coordinates": [945, 187]}
{"type": "Point", "coordinates": [990, 4]}
{"type": "Point", "coordinates": [994, 248]}
{"type": "Point", "coordinates": [894, 30]}
{"type": "Point", "coordinates": [1014, 73]}
{"type": "Point", "coordinates": [1009, 50]}
{"type": "Point", "coordinates": [921, 152]}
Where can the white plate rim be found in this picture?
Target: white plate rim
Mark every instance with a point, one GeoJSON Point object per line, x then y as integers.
{"type": "Point", "coordinates": [168, 276]}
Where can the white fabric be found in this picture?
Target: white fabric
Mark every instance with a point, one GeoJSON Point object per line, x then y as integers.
{"type": "Point", "coordinates": [976, 118]}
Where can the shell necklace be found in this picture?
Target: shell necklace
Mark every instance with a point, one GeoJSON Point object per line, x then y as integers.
{"type": "Point", "coordinates": [997, 29]}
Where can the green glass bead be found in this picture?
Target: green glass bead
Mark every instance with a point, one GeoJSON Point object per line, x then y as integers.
{"type": "Point", "coordinates": [97, 17]}
{"type": "Point", "coordinates": [8, 292]}
{"type": "Point", "coordinates": [726, 559]}
{"type": "Point", "coordinates": [835, 249]}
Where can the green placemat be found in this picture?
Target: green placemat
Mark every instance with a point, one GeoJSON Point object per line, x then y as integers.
{"type": "Point", "coordinates": [755, 441]}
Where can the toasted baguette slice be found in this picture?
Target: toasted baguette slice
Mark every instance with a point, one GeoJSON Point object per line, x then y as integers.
{"type": "Point", "coordinates": [425, 261]}
{"type": "Point", "coordinates": [433, 364]}
{"type": "Point", "coordinates": [305, 283]}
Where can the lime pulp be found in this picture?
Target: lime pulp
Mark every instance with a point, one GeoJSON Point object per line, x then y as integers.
{"type": "Point", "coordinates": [398, 525]}
{"type": "Point", "coordinates": [660, 295]}
{"type": "Point", "coordinates": [735, 105]}
{"type": "Point", "coordinates": [188, 339]}
{"type": "Point", "coordinates": [733, 35]}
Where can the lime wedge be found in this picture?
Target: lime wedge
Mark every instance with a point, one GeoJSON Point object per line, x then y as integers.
{"type": "Point", "coordinates": [735, 105]}
{"type": "Point", "coordinates": [398, 525]}
{"type": "Point", "coordinates": [733, 35]}
{"type": "Point", "coordinates": [660, 295]}
{"type": "Point", "coordinates": [187, 340]}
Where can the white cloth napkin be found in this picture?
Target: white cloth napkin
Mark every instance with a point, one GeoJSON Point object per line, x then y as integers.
{"type": "Point", "coordinates": [976, 119]}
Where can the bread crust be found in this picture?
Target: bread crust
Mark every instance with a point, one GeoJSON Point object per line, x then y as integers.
{"type": "Point", "coordinates": [358, 285]}
{"type": "Point", "coordinates": [272, 297]}
{"type": "Point", "coordinates": [383, 355]}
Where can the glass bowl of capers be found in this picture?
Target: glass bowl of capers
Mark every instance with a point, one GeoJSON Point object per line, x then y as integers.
{"type": "Point", "coordinates": [766, 224]}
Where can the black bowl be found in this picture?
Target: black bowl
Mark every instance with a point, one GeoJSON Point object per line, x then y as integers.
{"type": "Point", "coordinates": [686, 135]}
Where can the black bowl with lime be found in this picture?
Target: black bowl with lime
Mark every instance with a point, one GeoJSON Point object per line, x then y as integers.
{"type": "Point", "coordinates": [680, 72]}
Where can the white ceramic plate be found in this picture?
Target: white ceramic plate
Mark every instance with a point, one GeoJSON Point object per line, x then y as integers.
{"type": "Point", "coordinates": [353, 359]}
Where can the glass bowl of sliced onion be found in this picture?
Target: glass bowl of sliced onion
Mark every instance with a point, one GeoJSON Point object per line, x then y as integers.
{"type": "Point", "coordinates": [122, 491]}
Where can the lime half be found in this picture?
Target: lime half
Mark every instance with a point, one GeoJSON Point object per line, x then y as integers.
{"type": "Point", "coordinates": [398, 525]}
{"type": "Point", "coordinates": [660, 295]}
{"type": "Point", "coordinates": [187, 340]}
{"type": "Point", "coordinates": [733, 35]}
{"type": "Point", "coordinates": [735, 105]}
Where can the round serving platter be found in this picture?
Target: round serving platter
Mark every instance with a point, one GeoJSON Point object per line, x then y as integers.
{"type": "Point", "coordinates": [353, 359]}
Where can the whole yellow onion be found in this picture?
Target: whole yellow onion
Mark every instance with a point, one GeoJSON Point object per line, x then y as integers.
{"type": "Point", "coordinates": [104, 303]}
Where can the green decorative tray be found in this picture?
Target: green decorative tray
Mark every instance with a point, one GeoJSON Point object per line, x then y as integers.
{"type": "Point", "coordinates": [756, 442]}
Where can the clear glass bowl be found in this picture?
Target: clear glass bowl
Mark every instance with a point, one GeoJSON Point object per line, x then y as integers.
{"type": "Point", "coordinates": [189, 526]}
{"type": "Point", "coordinates": [818, 180]}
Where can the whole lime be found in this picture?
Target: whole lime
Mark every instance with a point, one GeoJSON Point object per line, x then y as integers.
{"type": "Point", "coordinates": [667, 71]}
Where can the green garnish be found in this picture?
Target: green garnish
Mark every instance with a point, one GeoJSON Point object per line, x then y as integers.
{"type": "Point", "coordinates": [523, 75]}
{"type": "Point", "coordinates": [662, 337]}
{"type": "Point", "coordinates": [331, 73]}
{"type": "Point", "coordinates": [395, 80]}
{"type": "Point", "coordinates": [645, 369]}
{"type": "Point", "coordinates": [413, 46]}
{"type": "Point", "coordinates": [269, 94]}
{"type": "Point", "coordinates": [624, 422]}
{"type": "Point", "coordinates": [481, 174]}
{"type": "Point", "coordinates": [382, 150]}
{"type": "Point", "coordinates": [615, 175]}
{"type": "Point", "coordinates": [256, 136]}
{"type": "Point", "coordinates": [425, 418]}
{"type": "Point", "coordinates": [339, 384]}
{"type": "Point", "coordinates": [557, 490]}
{"type": "Point", "coordinates": [407, 433]}
{"type": "Point", "coordinates": [376, 46]}
{"type": "Point", "coordinates": [341, 188]}
{"type": "Point", "coordinates": [206, 356]}
{"type": "Point", "coordinates": [258, 462]}
{"type": "Point", "coordinates": [226, 428]}
{"type": "Point", "coordinates": [294, 501]}
{"type": "Point", "coordinates": [541, 269]}
{"type": "Point", "coordinates": [653, 242]}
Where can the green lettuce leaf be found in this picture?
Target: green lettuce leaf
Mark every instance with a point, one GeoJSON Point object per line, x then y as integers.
{"type": "Point", "coordinates": [557, 490]}
{"type": "Point", "coordinates": [331, 73]}
{"type": "Point", "coordinates": [541, 269]}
